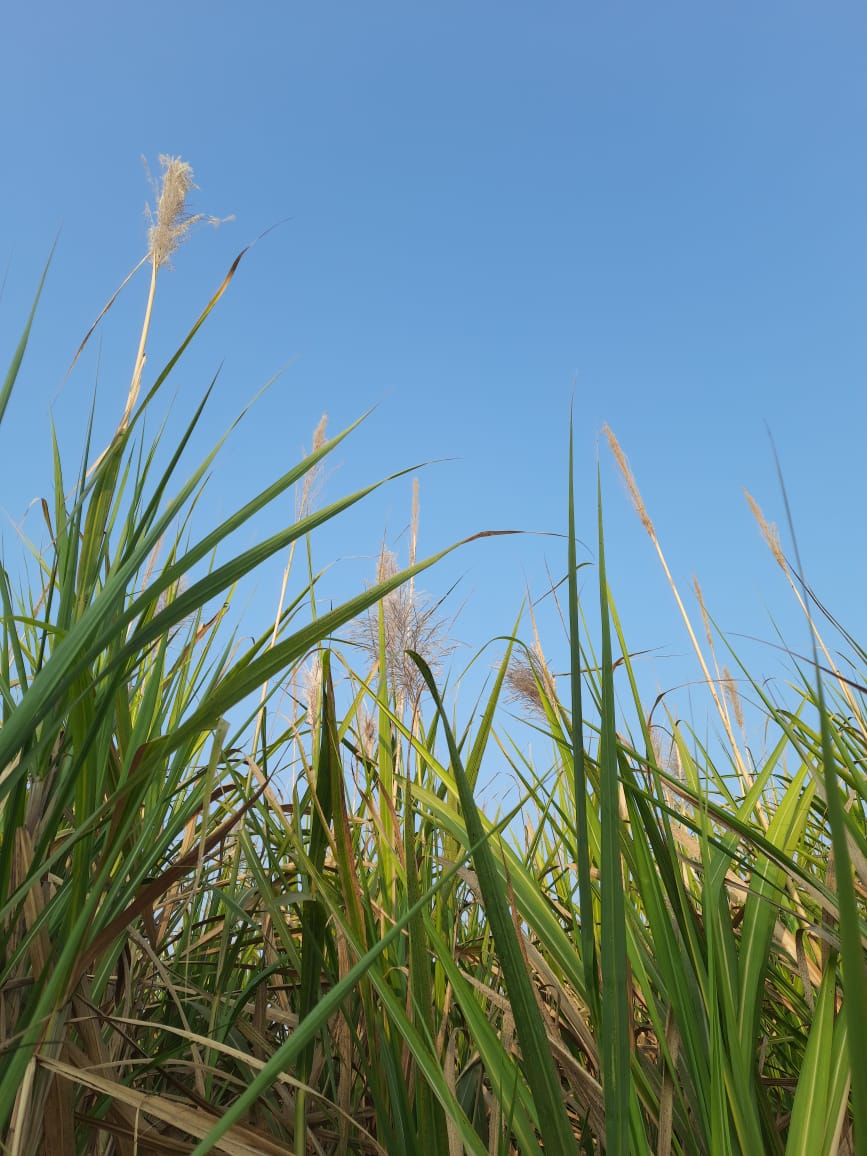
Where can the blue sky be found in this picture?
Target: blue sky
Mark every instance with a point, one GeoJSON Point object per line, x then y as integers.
{"type": "Point", "coordinates": [660, 210]}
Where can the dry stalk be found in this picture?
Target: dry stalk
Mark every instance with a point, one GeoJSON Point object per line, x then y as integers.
{"type": "Point", "coordinates": [772, 537]}
{"type": "Point", "coordinates": [620, 458]}
{"type": "Point", "coordinates": [169, 225]}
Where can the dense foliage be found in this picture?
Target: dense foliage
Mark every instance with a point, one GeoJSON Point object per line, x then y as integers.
{"type": "Point", "coordinates": [660, 948]}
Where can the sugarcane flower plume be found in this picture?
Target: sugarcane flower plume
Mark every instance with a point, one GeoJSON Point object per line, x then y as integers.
{"type": "Point", "coordinates": [169, 221]}
{"type": "Point", "coordinates": [410, 622]}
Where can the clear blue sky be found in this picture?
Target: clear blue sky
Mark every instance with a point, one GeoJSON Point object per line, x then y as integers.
{"type": "Point", "coordinates": [662, 207]}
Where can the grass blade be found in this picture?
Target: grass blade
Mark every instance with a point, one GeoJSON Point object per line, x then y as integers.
{"type": "Point", "coordinates": [18, 356]}
{"type": "Point", "coordinates": [539, 1069]}
{"type": "Point", "coordinates": [616, 1012]}
{"type": "Point", "coordinates": [582, 844]}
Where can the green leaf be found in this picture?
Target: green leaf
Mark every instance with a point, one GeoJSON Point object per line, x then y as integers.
{"type": "Point", "coordinates": [18, 356]}
{"type": "Point", "coordinates": [539, 1069]}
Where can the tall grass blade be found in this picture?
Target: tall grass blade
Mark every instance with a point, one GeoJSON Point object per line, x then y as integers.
{"type": "Point", "coordinates": [851, 941]}
{"type": "Point", "coordinates": [814, 1114]}
{"type": "Point", "coordinates": [582, 845]}
{"type": "Point", "coordinates": [616, 1012]}
{"type": "Point", "coordinates": [539, 1069]}
{"type": "Point", "coordinates": [18, 356]}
